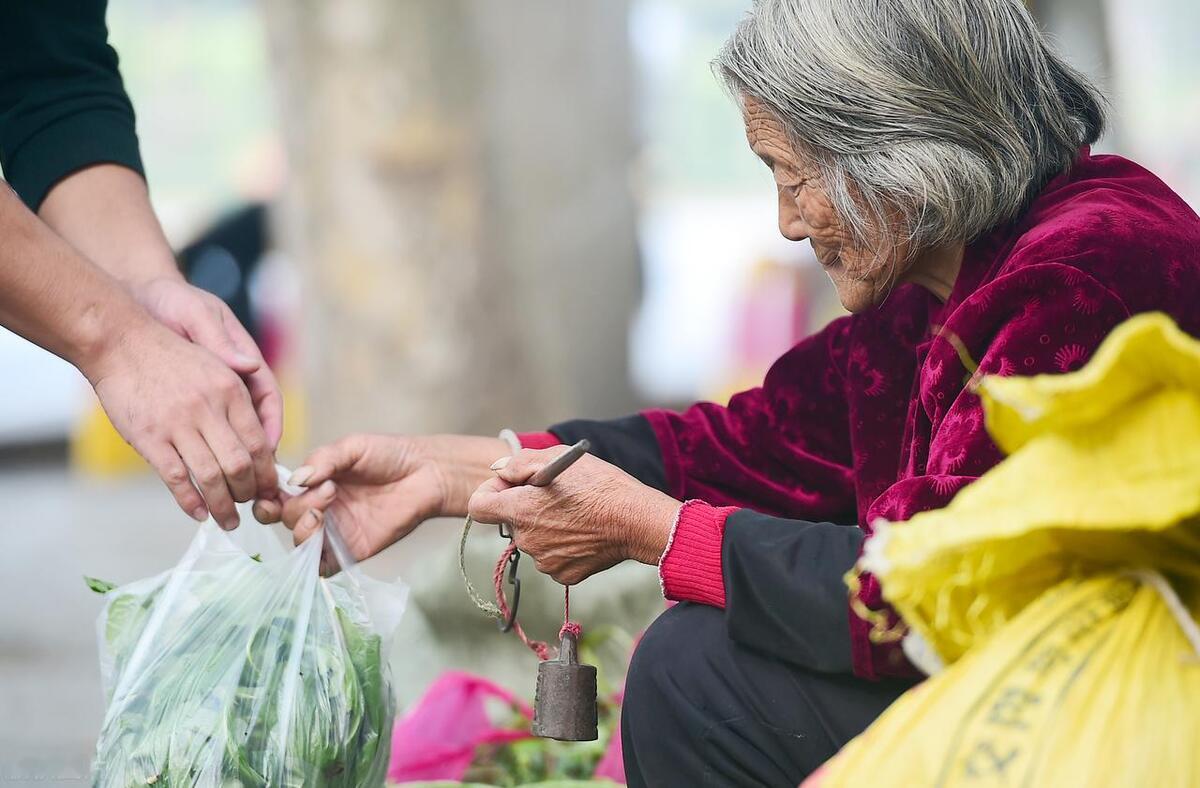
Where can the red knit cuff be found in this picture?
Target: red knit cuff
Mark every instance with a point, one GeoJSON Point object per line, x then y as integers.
{"type": "Point", "coordinates": [538, 440]}
{"type": "Point", "coordinates": [690, 568]}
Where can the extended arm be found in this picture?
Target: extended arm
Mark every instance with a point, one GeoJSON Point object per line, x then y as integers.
{"type": "Point", "coordinates": [68, 146]}
{"type": "Point", "coordinates": [186, 412]}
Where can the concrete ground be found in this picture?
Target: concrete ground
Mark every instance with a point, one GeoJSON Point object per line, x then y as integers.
{"type": "Point", "coordinates": [58, 527]}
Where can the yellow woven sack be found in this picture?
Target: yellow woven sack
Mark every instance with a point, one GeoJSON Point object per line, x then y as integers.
{"type": "Point", "coordinates": [1103, 472]}
{"type": "Point", "coordinates": [1061, 587]}
{"type": "Point", "coordinates": [1088, 686]}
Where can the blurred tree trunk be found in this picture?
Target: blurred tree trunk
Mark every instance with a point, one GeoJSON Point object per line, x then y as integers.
{"type": "Point", "coordinates": [459, 206]}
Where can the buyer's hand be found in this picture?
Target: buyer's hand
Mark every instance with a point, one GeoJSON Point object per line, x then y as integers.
{"type": "Point", "coordinates": [378, 488]}
{"type": "Point", "coordinates": [104, 212]}
{"type": "Point", "coordinates": [201, 317]}
{"type": "Point", "coordinates": [188, 414]}
{"type": "Point", "coordinates": [592, 517]}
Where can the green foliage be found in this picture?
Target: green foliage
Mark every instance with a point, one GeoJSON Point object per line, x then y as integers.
{"type": "Point", "coordinates": [99, 586]}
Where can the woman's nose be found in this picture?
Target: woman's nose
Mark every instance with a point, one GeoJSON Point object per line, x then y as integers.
{"type": "Point", "coordinates": [791, 223]}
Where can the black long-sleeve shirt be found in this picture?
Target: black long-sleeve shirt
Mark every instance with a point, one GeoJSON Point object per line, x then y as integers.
{"type": "Point", "coordinates": [63, 106]}
{"type": "Point", "coordinates": [784, 589]}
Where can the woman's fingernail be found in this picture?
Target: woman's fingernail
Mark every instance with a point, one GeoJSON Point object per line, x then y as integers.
{"type": "Point", "coordinates": [314, 517]}
{"type": "Point", "coordinates": [200, 514]}
{"type": "Point", "coordinates": [301, 475]}
{"type": "Point", "coordinates": [500, 463]}
{"type": "Point", "coordinates": [326, 488]}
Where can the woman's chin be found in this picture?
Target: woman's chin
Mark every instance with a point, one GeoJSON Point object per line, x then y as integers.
{"type": "Point", "coordinates": [855, 297]}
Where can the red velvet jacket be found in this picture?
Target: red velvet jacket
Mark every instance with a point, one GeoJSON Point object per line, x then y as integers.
{"type": "Point", "coordinates": [871, 417]}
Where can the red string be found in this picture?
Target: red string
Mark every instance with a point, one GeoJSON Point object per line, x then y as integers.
{"type": "Point", "coordinates": [536, 646]}
{"type": "Point", "coordinates": [568, 625]}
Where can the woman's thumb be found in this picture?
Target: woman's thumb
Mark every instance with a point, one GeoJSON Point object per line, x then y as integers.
{"type": "Point", "coordinates": [517, 469]}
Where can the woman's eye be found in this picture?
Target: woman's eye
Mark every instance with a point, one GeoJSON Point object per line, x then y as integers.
{"type": "Point", "coordinates": [789, 178]}
{"type": "Point", "coordinates": [792, 185]}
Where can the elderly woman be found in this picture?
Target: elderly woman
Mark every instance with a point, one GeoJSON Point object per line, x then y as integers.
{"type": "Point", "coordinates": [934, 153]}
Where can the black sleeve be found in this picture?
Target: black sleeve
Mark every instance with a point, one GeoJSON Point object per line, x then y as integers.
{"type": "Point", "coordinates": [627, 443]}
{"type": "Point", "coordinates": [784, 592]}
{"type": "Point", "coordinates": [62, 104]}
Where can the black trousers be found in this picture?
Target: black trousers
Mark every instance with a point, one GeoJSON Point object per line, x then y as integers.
{"type": "Point", "coordinates": [702, 710]}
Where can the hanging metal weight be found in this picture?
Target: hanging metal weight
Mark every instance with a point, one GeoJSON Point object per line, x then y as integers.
{"type": "Point", "coordinates": [564, 704]}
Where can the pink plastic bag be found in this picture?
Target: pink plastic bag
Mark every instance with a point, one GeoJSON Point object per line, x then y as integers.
{"type": "Point", "coordinates": [436, 740]}
{"type": "Point", "coordinates": [612, 765]}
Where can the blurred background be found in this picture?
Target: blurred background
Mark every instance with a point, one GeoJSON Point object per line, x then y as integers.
{"type": "Point", "coordinates": [450, 215]}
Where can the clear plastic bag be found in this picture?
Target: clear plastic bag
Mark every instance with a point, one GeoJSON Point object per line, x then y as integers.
{"type": "Point", "coordinates": [244, 667]}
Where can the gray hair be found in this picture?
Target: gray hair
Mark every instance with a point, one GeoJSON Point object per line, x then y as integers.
{"type": "Point", "coordinates": [939, 118]}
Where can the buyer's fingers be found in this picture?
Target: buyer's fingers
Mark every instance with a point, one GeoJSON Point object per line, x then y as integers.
{"type": "Point", "coordinates": [253, 441]}
{"type": "Point", "coordinates": [207, 473]}
{"type": "Point", "coordinates": [236, 463]}
{"type": "Point", "coordinates": [268, 403]}
{"type": "Point", "coordinates": [203, 322]}
{"type": "Point", "coordinates": [170, 468]}
{"type": "Point", "coordinates": [261, 382]}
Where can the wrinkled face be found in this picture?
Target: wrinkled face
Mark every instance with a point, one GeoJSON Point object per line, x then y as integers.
{"type": "Point", "coordinates": [863, 275]}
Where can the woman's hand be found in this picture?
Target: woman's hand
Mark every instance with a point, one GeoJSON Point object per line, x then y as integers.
{"type": "Point", "coordinates": [378, 488]}
{"type": "Point", "coordinates": [590, 518]}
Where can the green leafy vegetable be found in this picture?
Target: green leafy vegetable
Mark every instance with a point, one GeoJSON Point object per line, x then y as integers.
{"type": "Point", "coordinates": [248, 674]}
{"type": "Point", "coordinates": [99, 586]}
